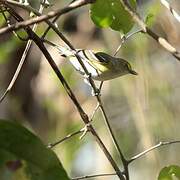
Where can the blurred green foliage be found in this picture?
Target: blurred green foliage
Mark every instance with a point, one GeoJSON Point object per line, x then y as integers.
{"type": "Point", "coordinates": [170, 173]}
{"type": "Point", "coordinates": [23, 156]}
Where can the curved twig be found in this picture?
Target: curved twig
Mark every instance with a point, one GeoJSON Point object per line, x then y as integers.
{"type": "Point", "coordinates": [95, 175]}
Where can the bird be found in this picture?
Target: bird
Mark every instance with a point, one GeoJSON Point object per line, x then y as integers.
{"type": "Point", "coordinates": [100, 65]}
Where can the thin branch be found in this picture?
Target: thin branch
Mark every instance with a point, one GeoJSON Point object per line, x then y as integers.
{"type": "Point", "coordinates": [163, 42]}
{"type": "Point", "coordinates": [23, 58]}
{"type": "Point", "coordinates": [125, 38]}
{"type": "Point", "coordinates": [172, 11]}
{"type": "Point", "coordinates": [124, 161]}
{"type": "Point", "coordinates": [94, 111]}
{"type": "Point", "coordinates": [95, 175]}
{"type": "Point", "coordinates": [83, 115]}
{"type": "Point", "coordinates": [53, 21]}
{"type": "Point", "coordinates": [42, 18]}
{"type": "Point", "coordinates": [51, 145]}
{"type": "Point", "coordinates": [150, 149]}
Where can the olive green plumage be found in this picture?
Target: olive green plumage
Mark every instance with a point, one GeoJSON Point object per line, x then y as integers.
{"type": "Point", "coordinates": [100, 65]}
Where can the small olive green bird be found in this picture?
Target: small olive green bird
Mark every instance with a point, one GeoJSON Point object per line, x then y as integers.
{"type": "Point", "coordinates": [100, 65]}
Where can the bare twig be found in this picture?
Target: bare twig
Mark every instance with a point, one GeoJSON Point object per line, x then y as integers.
{"type": "Point", "coordinates": [124, 161]}
{"type": "Point", "coordinates": [51, 145]}
{"type": "Point", "coordinates": [173, 12]}
{"type": "Point", "coordinates": [150, 149]}
{"type": "Point", "coordinates": [53, 21]}
{"type": "Point", "coordinates": [95, 175]}
{"type": "Point", "coordinates": [83, 115]}
{"type": "Point", "coordinates": [124, 39]}
{"type": "Point", "coordinates": [94, 111]}
{"type": "Point", "coordinates": [163, 42]}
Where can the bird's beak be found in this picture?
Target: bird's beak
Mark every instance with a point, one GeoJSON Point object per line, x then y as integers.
{"type": "Point", "coordinates": [133, 72]}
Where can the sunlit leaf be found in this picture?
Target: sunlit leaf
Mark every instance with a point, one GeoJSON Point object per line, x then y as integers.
{"type": "Point", "coordinates": [111, 13]}
{"type": "Point", "coordinates": [152, 13]}
{"type": "Point", "coordinates": [170, 173]}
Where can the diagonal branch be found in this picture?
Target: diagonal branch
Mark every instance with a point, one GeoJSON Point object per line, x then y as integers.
{"type": "Point", "coordinates": [51, 145]}
{"type": "Point", "coordinates": [93, 176]}
{"type": "Point", "coordinates": [163, 42]}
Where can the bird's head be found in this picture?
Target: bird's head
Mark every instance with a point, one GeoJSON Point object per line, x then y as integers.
{"type": "Point", "coordinates": [125, 66]}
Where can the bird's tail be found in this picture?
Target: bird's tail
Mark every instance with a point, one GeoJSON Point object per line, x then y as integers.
{"type": "Point", "coordinates": [63, 51]}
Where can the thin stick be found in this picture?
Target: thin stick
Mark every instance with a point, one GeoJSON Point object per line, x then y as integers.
{"type": "Point", "coordinates": [95, 175]}
{"type": "Point", "coordinates": [51, 145]}
{"type": "Point", "coordinates": [152, 148]}
{"type": "Point", "coordinates": [53, 21]}
{"type": "Point", "coordinates": [124, 39]}
{"type": "Point", "coordinates": [172, 11]}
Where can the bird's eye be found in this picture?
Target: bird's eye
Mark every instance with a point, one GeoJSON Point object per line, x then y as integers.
{"type": "Point", "coordinates": [99, 57]}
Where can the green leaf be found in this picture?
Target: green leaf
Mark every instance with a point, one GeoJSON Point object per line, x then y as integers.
{"type": "Point", "coordinates": [152, 13]}
{"type": "Point", "coordinates": [149, 19]}
{"type": "Point", "coordinates": [111, 13]}
{"type": "Point", "coordinates": [170, 173]}
{"type": "Point", "coordinates": [23, 156]}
